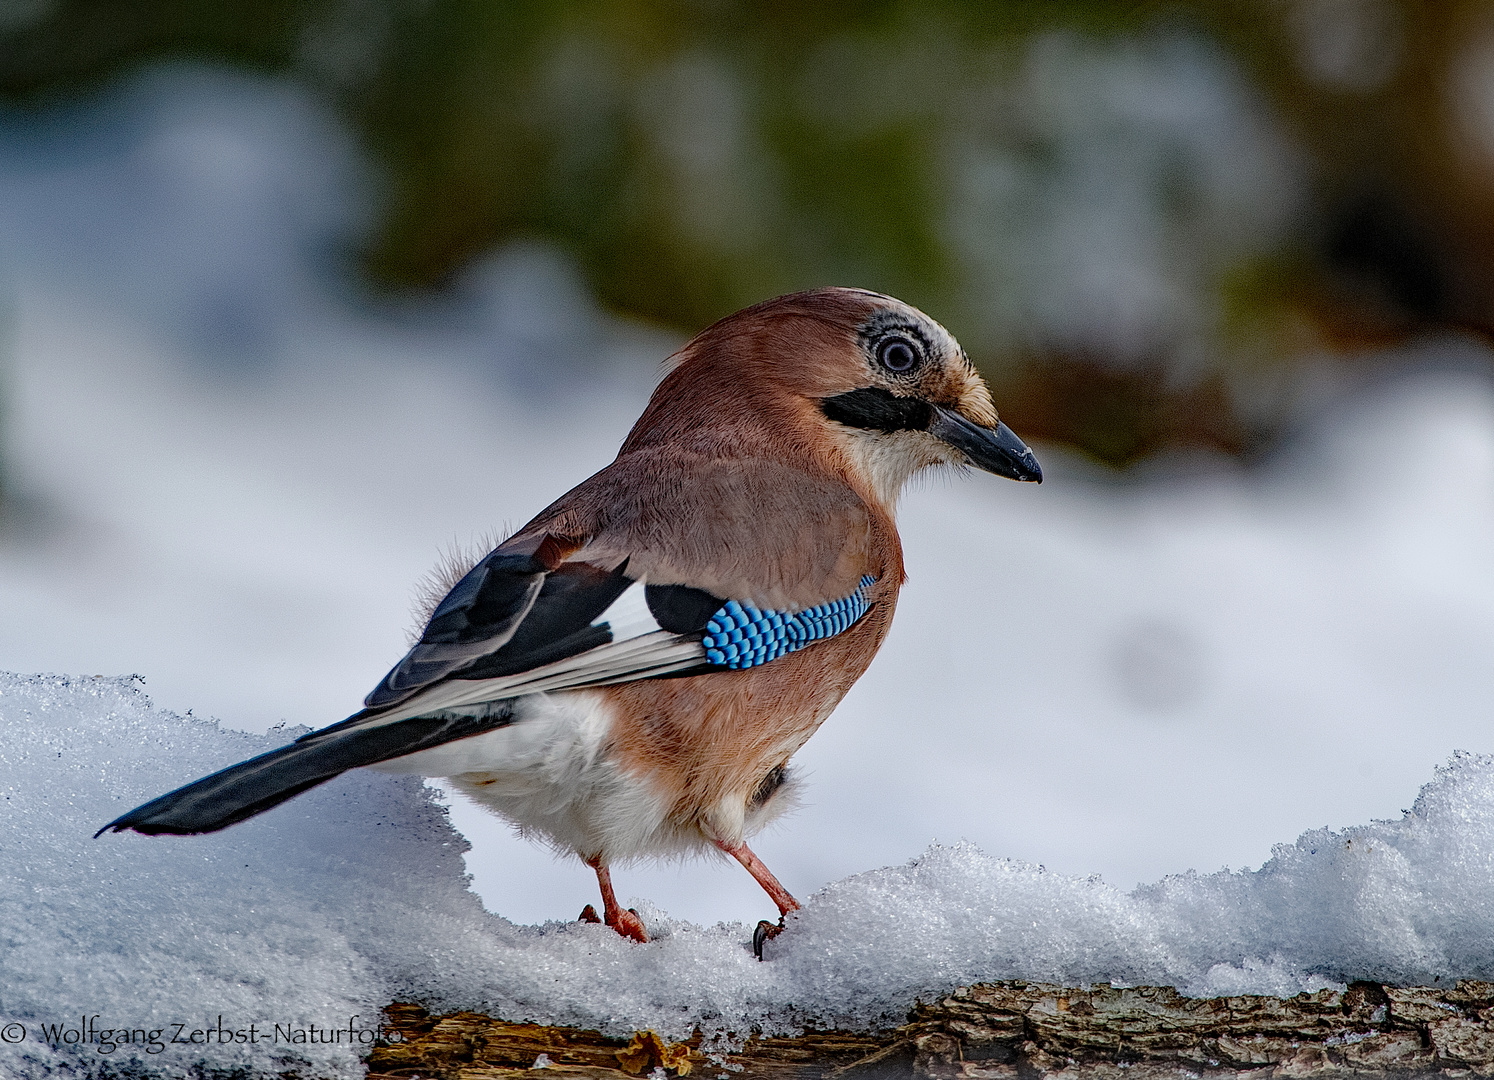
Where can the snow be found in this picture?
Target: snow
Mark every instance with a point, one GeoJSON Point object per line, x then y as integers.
{"type": "Point", "coordinates": [313, 917]}
{"type": "Point", "coordinates": [1120, 679]}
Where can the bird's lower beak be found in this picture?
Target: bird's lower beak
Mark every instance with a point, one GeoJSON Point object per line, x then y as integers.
{"type": "Point", "coordinates": [996, 450]}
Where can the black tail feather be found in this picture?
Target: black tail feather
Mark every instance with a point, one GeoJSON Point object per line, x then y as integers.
{"type": "Point", "coordinates": [254, 786]}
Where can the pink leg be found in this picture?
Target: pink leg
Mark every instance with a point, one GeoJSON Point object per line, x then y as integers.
{"type": "Point", "coordinates": [771, 885]}
{"type": "Point", "coordinates": [627, 923]}
{"type": "Point", "coordinates": [744, 855]}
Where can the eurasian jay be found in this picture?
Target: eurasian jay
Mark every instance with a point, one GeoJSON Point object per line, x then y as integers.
{"type": "Point", "coordinates": [631, 672]}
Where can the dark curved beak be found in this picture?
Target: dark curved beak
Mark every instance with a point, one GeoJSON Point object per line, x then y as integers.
{"type": "Point", "coordinates": [996, 450]}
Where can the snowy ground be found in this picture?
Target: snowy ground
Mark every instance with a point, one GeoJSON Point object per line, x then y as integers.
{"type": "Point", "coordinates": [228, 477]}
{"type": "Point", "coordinates": [309, 919]}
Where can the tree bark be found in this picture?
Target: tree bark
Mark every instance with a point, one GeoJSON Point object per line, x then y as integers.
{"type": "Point", "coordinates": [1008, 1031]}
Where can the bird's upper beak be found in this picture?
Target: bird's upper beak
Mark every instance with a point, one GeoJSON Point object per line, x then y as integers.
{"type": "Point", "coordinates": [996, 450]}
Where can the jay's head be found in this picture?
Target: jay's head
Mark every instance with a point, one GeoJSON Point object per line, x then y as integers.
{"type": "Point", "coordinates": [849, 379]}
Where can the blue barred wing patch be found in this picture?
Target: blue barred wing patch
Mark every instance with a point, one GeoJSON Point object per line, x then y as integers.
{"type": "Point", "coordinates": [741, 636]}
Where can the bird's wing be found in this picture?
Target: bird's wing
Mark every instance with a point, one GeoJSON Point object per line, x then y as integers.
{"type": "Point", "coordinates": [634, 592]}
{"type": "Point", "coordinates": [511, 628]}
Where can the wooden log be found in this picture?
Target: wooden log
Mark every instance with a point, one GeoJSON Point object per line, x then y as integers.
{"type": "Point", "coordinates": [1006, 1031]}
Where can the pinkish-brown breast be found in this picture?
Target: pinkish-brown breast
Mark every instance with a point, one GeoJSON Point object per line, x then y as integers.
{"type": "Point", "coordinates": [698, 740]}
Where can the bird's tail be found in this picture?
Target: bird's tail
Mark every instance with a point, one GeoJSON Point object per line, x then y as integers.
{"type": "Point", "coordinates": [254, 786]}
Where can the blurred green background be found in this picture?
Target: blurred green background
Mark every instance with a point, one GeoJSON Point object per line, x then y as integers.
{"type": "Point", "coordinates": [1155, 225]}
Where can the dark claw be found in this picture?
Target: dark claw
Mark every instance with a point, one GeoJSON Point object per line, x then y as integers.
{"type": "Point", "coordinates": [764, 932]}
{"type": "Point", "coordinates": [589, 914]}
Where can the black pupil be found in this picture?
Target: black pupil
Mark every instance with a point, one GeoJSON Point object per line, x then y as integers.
{"type": "Point", "coordinates": [897, 355]}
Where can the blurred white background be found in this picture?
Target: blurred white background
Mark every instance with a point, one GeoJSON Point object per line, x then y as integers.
{"type": "Point", "coordinates": [226, 471]}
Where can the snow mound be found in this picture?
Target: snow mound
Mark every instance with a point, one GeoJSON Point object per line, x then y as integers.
{"type": "Point", "coordinates": [304, 921]}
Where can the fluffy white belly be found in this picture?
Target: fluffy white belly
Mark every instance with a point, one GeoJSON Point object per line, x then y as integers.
{"type": "Point", "coordinates": [549, 772]}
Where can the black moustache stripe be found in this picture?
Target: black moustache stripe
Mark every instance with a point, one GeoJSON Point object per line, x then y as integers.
{"type": "Point", "coordinates": [878, 410]}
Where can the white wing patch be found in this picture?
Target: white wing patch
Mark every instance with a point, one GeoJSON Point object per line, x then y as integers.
{"type": "Point", "coordinates": [640, 648]}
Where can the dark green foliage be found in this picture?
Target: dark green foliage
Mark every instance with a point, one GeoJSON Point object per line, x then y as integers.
{"type": "Point", "coordinates": [696, 156]}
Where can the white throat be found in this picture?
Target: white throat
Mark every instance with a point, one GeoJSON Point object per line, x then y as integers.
{"type": "Point", "coordinates": [887, 460]}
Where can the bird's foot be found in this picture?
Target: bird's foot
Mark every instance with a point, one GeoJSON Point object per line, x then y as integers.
{"type": "Point", "coordinates": [628, 924]}
{"type": "Point", "coordinates": [771, 885]}
{"type": "Point", "coordinates": [589, 914]}
{"type": "Point", "coordinates": [764, 933]}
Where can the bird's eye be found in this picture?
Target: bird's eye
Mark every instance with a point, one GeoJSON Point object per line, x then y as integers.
{"type": "Point", "coordinates": [897, 355]}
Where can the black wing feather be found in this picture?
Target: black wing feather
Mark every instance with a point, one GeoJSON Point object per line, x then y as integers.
{"type": "Point", "coordinates": [477, 617]}
{"type": "Point", "coordinates": [251, 787]}
{"type": "Point", "coordinates": [681, 609]}
{"type": "Point", "coordinates": [559, 624]}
